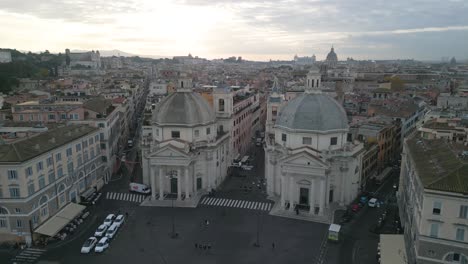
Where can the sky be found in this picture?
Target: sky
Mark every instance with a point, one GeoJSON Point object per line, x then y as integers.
{"type": "Point", "coordinates": [255, 30]}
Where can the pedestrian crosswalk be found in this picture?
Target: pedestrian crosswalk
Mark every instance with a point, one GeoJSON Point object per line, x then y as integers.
{"type": "Point", "coordinates": [253, 205]}
{"type": "Point", "coordinates": [130, 197]}
{"type": "Point", "coordinates": [29, 255]}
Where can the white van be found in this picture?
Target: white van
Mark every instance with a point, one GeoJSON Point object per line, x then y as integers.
{"type": "Point", "coordinates": [372, 202]}
{"type": "Point", "coordinates": [139, 188]}
{"type": "Point", "coordinates": [112, 230]}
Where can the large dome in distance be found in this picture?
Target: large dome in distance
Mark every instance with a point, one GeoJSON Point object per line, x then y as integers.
{"type": "Point", "coordinates": [313, 112]}
{"type": "Point", "coordinates": [183, 108]}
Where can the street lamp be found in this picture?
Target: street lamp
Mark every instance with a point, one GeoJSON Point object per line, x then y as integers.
{"type": "Point", "coordinates": [257, 243]}
{"type": "Point", "coordinates": [172, 174]}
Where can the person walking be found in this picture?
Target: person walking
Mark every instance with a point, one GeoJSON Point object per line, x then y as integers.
{"type": "Point", "coordinates": [273, 245]}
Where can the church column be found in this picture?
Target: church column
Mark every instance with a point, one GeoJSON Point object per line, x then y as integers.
{"type": "Point", "coordinates": [161, 183]}
{"type": "Point", "coordinates": [283, 191]}
{"type": "Point", "coordinates": [179, 185]}
{"type": "Point", "coordinates": [291, 193]}
{"type": "Point", "coordinates": [342, 187]}
{"type": "Point", "coordinates": [312, 197]}
{"type": "Point", "coordinates": [153, 185]}
{"type": "Point", "coordinates": [322, 196]}
{"type": "Point", "coordinates": [187, 193]}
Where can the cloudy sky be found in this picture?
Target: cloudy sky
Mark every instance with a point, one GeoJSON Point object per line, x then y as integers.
{"type": "Point", "coordinates": [261, 30]}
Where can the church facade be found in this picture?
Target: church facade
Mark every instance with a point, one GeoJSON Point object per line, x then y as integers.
{"type": "Point", "coordinates": [309, 164]}
{"type": "Point", "coordinates": [184, 154]}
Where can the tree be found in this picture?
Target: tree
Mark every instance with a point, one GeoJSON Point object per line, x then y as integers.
{"type": "Point", "coordinates": [396, 83]}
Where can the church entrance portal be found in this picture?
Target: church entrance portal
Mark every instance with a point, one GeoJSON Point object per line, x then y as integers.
{"type": "Point", "coordinates": [304, 196]}
{"type": "Point", "coordinates": [174, 185]}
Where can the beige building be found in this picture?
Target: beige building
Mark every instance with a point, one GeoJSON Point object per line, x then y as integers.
{"type": "Point", "coordinates": [41, 175]}
{"type": "Point", "coordinates": [433, 201]}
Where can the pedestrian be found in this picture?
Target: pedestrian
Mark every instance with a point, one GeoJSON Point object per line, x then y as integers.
{"type": "Point", "coordinates": [204, 247]}
{"type": "Point", "coordinates": [273, 245]}
{"type": "Point", "coordinates": [126, 214]}
{"type": "Point", "coordinates": [297, 211]}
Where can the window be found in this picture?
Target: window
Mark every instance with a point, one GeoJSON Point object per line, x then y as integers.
{"type": "Point", "coordinates": [29, 171]}
{"type": "Point", "coordinates": [63, 116]}
{"type": "Point", "coordinates": [78, 147]}
{"type": "Point", "coordinates": [283, 137]}
{"type": "Point", "coordinates": [463, 211]}
{"type": "Point", "coordinates": [49, 161]}
{"type": "Point", "coordinates": [101, 135]}
{"type": "Point", "coordinates": [3, 223]}
{"type": "Point", "coordinates": [39, 166]}
{"type": "Point", "coordinates": [69, 152]}
{"type": "Point", "coordinates": [96, 138]}
{"type": "Point", "coordinates": [157, 132]}
{"type": "Point", "coordinates": [70, 168]}
{"type": "Point", "coordinates": [102, 125]}
{"type": "Point", "coordinates": [333, 141]}
{"type": "Point", "coordinates": [12, 175]}
{"type": "Point", "coordinates": [30, 188]}
{"type": "Point", "coordinates": [60, 172]}
{"type": "Point", "coordinates": [460, 234]}
{"type": "Point", "coordinates": [19, 223]}
{"type": "Point", "coordinates": [80, 160]}
{"type": "Point", "coordinates": [434, 230]}
{"type": "Point", "coordinates": [51, 116]}
{"type": "Point", "coordinates": [58, 156]}
{"type": "Point", "coordinates": [85, 155]}
{"type": "Point", "coordinates": [208, 130]}
{"type": "Point", "coordinates": [175, 134]}
{"type": "Point", "coordinates": [92, 153]}
{"type": "Point", "coordinates": [17, 210]}
{"type": "Point", "coordinates": [221, 105]}
{"type": "Point", "coordinates": [306, 140]}
{"type": "Point", "coordinates": [76, 116]}
{"type": "Point", "coordinates": [41, 182]}
{"type": "Point", "coordinates": [197, 133]}
{"type": "Point", "coordinates": [437, 208]}
{"type": "Point", "coordinates": [51, 177]}
{"type": "Point", "coordinates": [14, 192]}
{"type": "Point", "coordinates": [91, 141]}
{"type": "Point", "coordinates": [21, 117]}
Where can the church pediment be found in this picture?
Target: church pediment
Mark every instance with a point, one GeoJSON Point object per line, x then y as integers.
{"type": "Point", "coordinates": [303, 159]}
{"type": "Point", "coordinates": [168, 152]}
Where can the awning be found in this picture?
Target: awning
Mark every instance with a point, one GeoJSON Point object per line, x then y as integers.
{"type": "Point", "coordinates": [392, 249]}
{"type": "Point", "coordinates": [57, 222]}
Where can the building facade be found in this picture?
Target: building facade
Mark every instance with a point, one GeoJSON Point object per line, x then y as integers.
{"type": "Point", "coordinates": [308, 162]}
{"type": "Point", "coordinates": [42, 174]}
{"type": "Point", "coordinates": [433, 201]}
{"type": "Point", "coordinates": [185, 150]}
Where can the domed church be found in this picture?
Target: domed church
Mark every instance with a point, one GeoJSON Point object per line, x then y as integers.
{"type": "Point", "coordinates": [184, 153]}
{"type": "Point", "coordinates": [310, 167]}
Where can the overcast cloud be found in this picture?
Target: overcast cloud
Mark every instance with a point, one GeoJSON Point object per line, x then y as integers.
{"type": "Point", "coordinates": [252, 29]}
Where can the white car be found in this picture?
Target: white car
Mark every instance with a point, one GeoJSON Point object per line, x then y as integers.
{"type": "Point", "coordinates": [101, 230]}
{"type": "Point", "coordinates": [119, 220]}
{"type": "Point", "coordinates": [112, 230]}
{"type": "Point", "coordinates": [88, 245]}
{"type": "Point", "coordinates": [109, 219]}
{"type": "Point", "coordinates": [102, 245]}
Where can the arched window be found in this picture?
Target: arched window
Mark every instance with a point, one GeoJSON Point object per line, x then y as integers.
{"type": "Point", "coordinates": [44, 206]}
{"type": "Point", "coordinates": [3, 211]}
{"type": "Point", "coordinates": [81, 175]}
{"type": "Point", "coordinates": [221, 105]}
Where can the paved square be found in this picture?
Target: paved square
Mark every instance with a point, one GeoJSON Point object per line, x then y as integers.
{"type": "Point", "coordinates": [231, 232]}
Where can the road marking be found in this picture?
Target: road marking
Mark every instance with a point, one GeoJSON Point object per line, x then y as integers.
{"type": "Point", "coordinates": [231, 203]}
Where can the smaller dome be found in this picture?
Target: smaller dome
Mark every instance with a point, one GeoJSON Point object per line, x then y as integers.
{"type": "Point", "coordinates": [183, 108]}
{"type": "Point", "coordinates": [332, 55]}
{"type": "Point", "coordinates": [313, 112]}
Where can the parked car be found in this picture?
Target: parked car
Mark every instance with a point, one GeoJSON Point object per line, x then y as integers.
{"type": "Point", "coordinates": [102, 245]}
{"type": "Point", "coordinates": [101, 231]}
{"type": "Point", "coordinates": [109, 219]}
{"type": "Point", "coordinates": [112, 230]}
{"type": "Point", "coordinates": [355, 208]}
{"type": "Point", "coordinates": [88, 245]}
{"type": "Point", "coordinates": [139, 188]}
{"type": "Point", "coordinates": [119, 220]}
{"type": "Point", "coordinates": [247, 167]}
{"type": "Point", "coordinates": [372, 202]}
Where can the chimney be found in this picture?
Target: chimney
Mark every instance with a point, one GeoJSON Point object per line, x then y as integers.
{"type": "Point", "coordinates": [52, 140]}
{"type": "Point", "coordinates": [37, 147]}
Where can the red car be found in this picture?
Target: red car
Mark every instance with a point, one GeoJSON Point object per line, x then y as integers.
{"type": "Point", "coordinates": [355, 207]}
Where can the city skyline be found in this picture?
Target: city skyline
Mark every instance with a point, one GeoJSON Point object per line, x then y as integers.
{"type": "Point", "coordinates": [255, 30]}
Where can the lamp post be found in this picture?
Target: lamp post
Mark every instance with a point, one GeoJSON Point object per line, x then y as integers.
{"type": "Point", "coordinates": [172, 174]}
{"type": "Point", "coordinates": [257, 243]}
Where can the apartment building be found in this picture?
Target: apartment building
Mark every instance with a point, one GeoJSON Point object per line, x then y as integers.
{"type": "Point", "coordinates": [47, 111]}
{"type": "Point", "coordinates": [433, 201]}
{"type": "Point", "coordinates": [41, 175]}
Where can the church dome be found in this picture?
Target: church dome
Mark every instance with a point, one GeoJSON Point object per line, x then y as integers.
{"type": "Point", "coordinates": [332, 55]}
{"type": "Point", "coordinates": [183, 108]}
{"type": "Point", "coordinates": [313, 112]}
